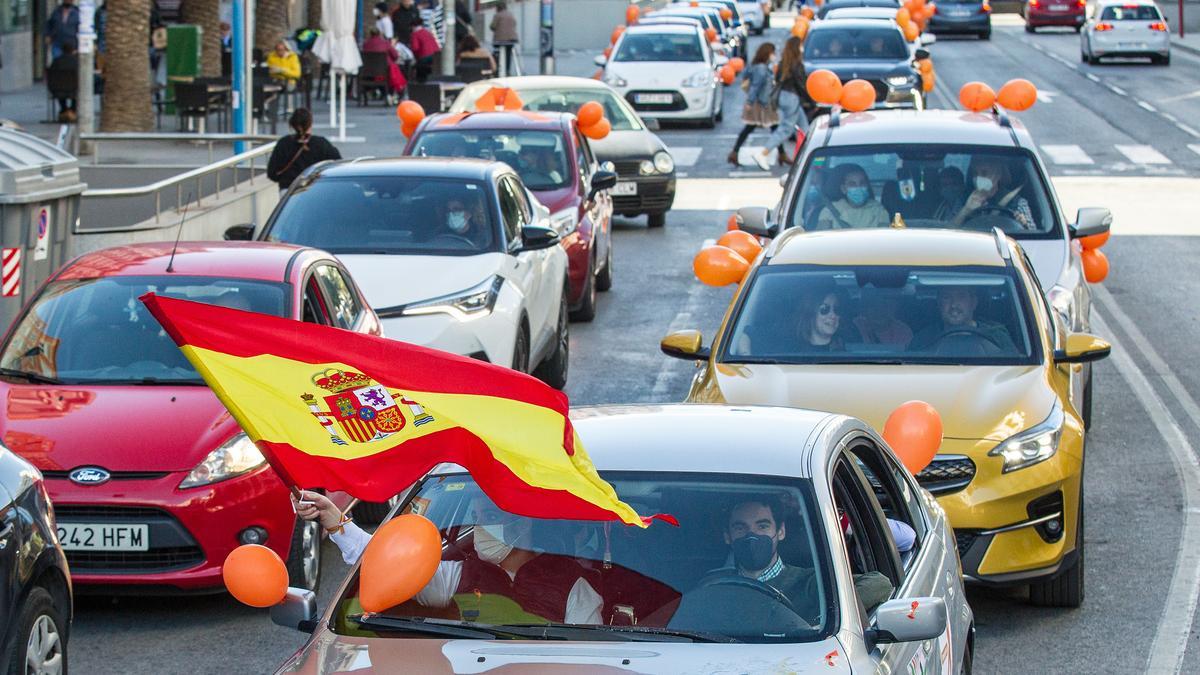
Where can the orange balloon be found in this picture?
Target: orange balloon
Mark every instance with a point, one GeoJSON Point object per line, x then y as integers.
{"type": "Point", "coordinates": [925, 65]}
{"type": "Point", "coordinates": [631, 14]}
{"type": "Point", "coordinates": [598, 130]}
{"type": "Point", "coordinates": [255, 575]}
{"type": "Point", "coordinates": [807, 12]}
{"type": "Point", "coordinates": [498, 98]}
{"type": "Point", "coordinates": [857, 95]}
{"type": "Point", "coordinates": [711, 34]}
{"type": "Point", "coordinates": [1017, 94]}
{"type": "Point", "coordinates": [1095, 241]}
{"type": "Point", "coordinates": [911, 32]}
{"type": "Point", "coordinates": [410, 112]}
{"type": "Point", "coordinates": [608, 51]}
{"type": "Point", "coordinates": [728, 74]}
{"type": "Point", "coordinates": [732, 223]}
{"type": "Point", "coordinates": [800, 29]}
{"type": "Point", "coordinates": [824, 86]}
{"type": "Point", "coordinates": [1095, 265]}
{"type": "Point", "coordinates": [408, 129]}
{"type": "Point", "coordinates": [903, 17]}
{"type": "Point", "coordinates": [719, 266]}
{"type": "Point", "coordinates": [589, 113]}
{"type": "Point", "coordinates": [927, 81]}
{"type": "Point", "coordinates": [400, 559]}
{"type": "Point", "coordinates": [931, 9]}
{"type": "Point", "coordinates": [976, 96]}
{"type": "Point", "coordinates": [917, 4]}
{"type": "Point", "coordinates": [616, 34]}
{"type": "Point", "coordinates": [726, 13]}
{"type": "Point", "coordinates": [914, 431]}
{"type": "Point", "coordinates": [738, 63]}
{"type": "Point", "coordinates": [742, 243]}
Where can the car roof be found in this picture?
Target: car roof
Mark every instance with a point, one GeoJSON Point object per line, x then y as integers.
{"type": "Point", "coordinates": [858, 12]}
{"type": "Point", "coordinates": [901, 127]}
{"type": "Point", "coordinates": [428, 167]}
{"type": "Point", "coordinates": [526, 82]}
{"type": "Point", "coordinates": [1106, 3]}
{"type": "Point", "coordinates": [229, 259]}
{"type": "Point", "coordinates": [887, 246]}
{"type": "Point", "coordinates": [656, 28]}
{"type": "Point", "coordinates": [852, 24]}
{"type": "Point", "coordinates": [516, 120]}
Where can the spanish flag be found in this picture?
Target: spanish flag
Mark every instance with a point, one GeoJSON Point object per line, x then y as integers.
{"type": "Point", "coordinates": [339, 410]}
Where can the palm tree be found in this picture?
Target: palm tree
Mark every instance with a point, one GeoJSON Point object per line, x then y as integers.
{"type": "Point", "coordinates": [270, 23]}
{"type": "Point", "coordinates": [207, 15]}
{"type": "Point", "coordinates": [127, 104]}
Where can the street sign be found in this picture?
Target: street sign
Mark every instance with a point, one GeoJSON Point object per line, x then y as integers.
{"type": "Point", "coordinates": [41, 223]}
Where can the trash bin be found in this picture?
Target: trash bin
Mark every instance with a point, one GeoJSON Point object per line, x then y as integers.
{"type": "Point", "coordinates": [39, 203]}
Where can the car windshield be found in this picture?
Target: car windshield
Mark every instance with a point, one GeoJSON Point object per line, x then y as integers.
{"type": "Point", "coordinates": [613, 582]}
{"type": "Point", "coordinates": [389, 214]}
{"type": "Point", "coordinates": [876, 44]}
{"type": "Point", "coordinates": [836, 4]}
{"type": "Point", "coordinates": [96, 331]}
{"type": "Point", "coordinates": [939, 186]}
{"type": "Point", "coordinates": [569, 100]}
{"type": "Point", "coordinates": [660, 47]}
{"type": "Point", "coordinates": [538, 156]}
{"type": "Point", "coordinates": [1130, 13]}
{"type": "Point", "coordinates": [882, 314]}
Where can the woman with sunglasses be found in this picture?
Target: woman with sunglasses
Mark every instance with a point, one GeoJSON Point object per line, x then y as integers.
{"type": "Point", "coordinates": [820, 319]}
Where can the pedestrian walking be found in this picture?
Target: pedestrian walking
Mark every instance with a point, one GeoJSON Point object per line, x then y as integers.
{"type": "Point", "coordinates": [759, 110]}
{"type": "Point", "coordinates": [62, 28]}
{"type": "Point", "coordinates": [296, 152]}
{"type": "Point", "coordinates": [790, 82]}
{"type": "Point", "coordinates": [504, 37]}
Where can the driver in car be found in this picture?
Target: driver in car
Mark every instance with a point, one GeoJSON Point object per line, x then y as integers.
{"type": "Point", "coordinates": [956, 305]}
{"type": "Point", "coordinates": [993, 192]}
{"type": "Point", "coordinates": [537, 166]}
{"type": "Point", "coordinates": [502, 579]}
{"type": "Point", "coordinates": [464, 224]}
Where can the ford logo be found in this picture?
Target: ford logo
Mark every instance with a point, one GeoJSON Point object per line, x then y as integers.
{"type": "Point", "coordinates": [89, 475]}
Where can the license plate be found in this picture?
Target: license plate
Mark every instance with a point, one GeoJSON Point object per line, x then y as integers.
{"type": "Point", "coordinates": [1058, 8]}
{"type": "Point", "coordinates": [103, 537]}
{"type": "Point", "coordinates": [958, 12]}
{"type": "Point", "coordinates": [1131, 45]}
{"type": "Point", "coordinates": [624, 188]}
{"type": "Point", "coordinates": [653, 99]}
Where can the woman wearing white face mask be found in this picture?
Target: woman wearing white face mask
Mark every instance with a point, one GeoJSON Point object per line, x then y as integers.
{"type": "Point", "coordinates": [989, 179]}
{"type": "Point", "coordinates": [502, 579]}
{"type": "Point", "coordinates": [463, 225]}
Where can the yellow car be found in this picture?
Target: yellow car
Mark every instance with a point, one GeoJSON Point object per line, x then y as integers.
{"type": "Point", "coordinates": [861, 321]}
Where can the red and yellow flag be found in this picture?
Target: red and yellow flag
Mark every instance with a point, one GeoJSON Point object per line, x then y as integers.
{"type": "Point", "coordinates": [339, 410]}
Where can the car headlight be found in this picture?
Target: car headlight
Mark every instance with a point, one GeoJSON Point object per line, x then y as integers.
{"type": "Point", "coordinates": [1034, 445]}
{"type": "Point", "coordinates": [235, 457]}
{"type": "Point", "coordinates": [565, 221]}
{"type": "Point", "coordinates": [700, 79]}
{"type": "Point", "coordinates": [663, 162]}
{"type": "Point", "coordinates": [900, 80]}
{"type": "Point", "coordinates": [472, 303]}
{"type": "Point", "coordinates": [1063, 301]}
{"type": "Point", "coordinates": [614, 80]}
{"type": "Point", "coordinates": [646, 167]}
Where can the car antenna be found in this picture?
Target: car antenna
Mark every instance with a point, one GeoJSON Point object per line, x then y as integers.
{"type": "Point", "coordinates": [178, 232]}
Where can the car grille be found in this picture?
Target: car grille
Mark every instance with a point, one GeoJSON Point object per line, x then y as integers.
{"type": "Point", "coordinates": [947, 474]}
{"type": "Point", "coordinates": [628, 168]}
{"type": "Point", "coordinates": [653, 197]}
{"type": "Point", "coordinates": [171, 546]}
{"type": "Point", "coordinates": [963, 541]}
{"type": "Point", "coordinates": [113, 475]}
{"type": "Point", "coordinates": [677, 101]}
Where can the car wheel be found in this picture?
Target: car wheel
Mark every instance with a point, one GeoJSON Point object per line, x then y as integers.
{"type": "Point", "coordinates": [587, 307]}
{"type": "Point", "coordinates": [1065, 589]}
{"type": "Point", "coordinates": [1030, 29]}
{"type": "Point", "coordinates": [39, 643]}
{"type": "Point", "coordinates": [656, 219]}
{"type": "Point", "coordinates": [373, 513]}
{"type": "Point", "coordinates": [1083, 56]}
{"type": "Point", "coordinates": [1161, 60]}
{"type": "Point", "coordinates": [521, 349]}
{"type": "Point", "coordinates": [985, 36]}
{"type": "Point", "coordinates": [304, 555]}
{"type": "Point", "coordinates": [553, 371]}
{"type": "Point", "coordinates": [604, 278]}
{"type": "Point", "coordinates": [1078, 29]}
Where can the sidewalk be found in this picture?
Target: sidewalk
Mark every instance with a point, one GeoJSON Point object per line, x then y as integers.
{"type": "Point", "coordinates": [1189, 43]}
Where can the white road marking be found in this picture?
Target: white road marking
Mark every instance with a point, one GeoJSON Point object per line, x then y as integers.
{"type": "Point", "coordinates": [1146, 106]}
{"type": "Point", "coordinates": [1189, 130]}
{"type": "Point", "coordinates": [1181, 97]}
{"type": "Point", "coordinates": [1066, 154]}
{"type": "Point", "coordinates": [1195, 147]}
{"type": "Point", "coordinates": [670, 368]}
{"type": "Point", "coordinates": [1044, 96]}
{"type": "Point", "coordinates": [1117, 90]}
{"type": "Point", "coordinates": [1091, 77]}
{"type": "Point", "coordinates": [747, 152]}
{"type": "Point", "coordinates": [686, 155]}
{"type": "Point", "coordinates": [1142, 154]}
{"type": "Point", "coordinates": [1174, 627]}
{"type": "Point", "coordinates": [708, 194]}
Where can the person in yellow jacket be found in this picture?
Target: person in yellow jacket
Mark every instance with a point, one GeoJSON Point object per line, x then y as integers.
{"type": "Point", "coordinates": [284, 67]}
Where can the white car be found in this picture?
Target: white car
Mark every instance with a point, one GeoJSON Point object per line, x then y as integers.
{"type": "Point", "coordinates": [754, 15]}
{"type": "Point", "coordinates": [1126, 28]}
{"type": "Point", "coordinates": [787, 558]}
{"type": "Point", "coordinates": [667, 71]}
{"type": "Point", "coordinates": [455, 255]}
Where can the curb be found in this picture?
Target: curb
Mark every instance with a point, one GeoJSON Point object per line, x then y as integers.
{"type": "Point", "coordinates": [1179, 44]}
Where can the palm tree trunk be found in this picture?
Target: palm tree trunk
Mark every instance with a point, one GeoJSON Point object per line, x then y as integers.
{"type": "Point", "coordinates": [127, 105]}
{"type": "Point", "coordinates": [207, 15]}
{"type": "Point", "coordinates": [314, 14]}
{"type": "Point", "coordinates": [270, 23]}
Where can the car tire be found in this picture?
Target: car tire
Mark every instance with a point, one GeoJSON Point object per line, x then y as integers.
{"type": "Point", "coordinates": [520, 361]}
{"type": "Point", "coordinates": [373, 513]}
{"type": "Point", "coordinates": [1083, 57]}
{"type": "Point", "coordinates": [304, 555]}
{"type": "Point", "coordinates": [1093, 59]}
{"type": "Point", "coordinates": [1066, 588]}
{"type": "Point", "coordinates": [1078, 29]}
{"type": "Point", "coordinates": [604, 278]}
{"type": "Point", "coordinates": [656, 219]}
{"type": "Point", "coordinates": [553, 371]}
{"type": "Point", "coordinates": [39, 627]}
{"type": "Point", "coordinates": [586, 311]}
{"type": "Point", "coordinates": [1030, 29]}
{"type": "Point", "coordinates": [985, 36]}
{"type": "Point", "coordinates": [1161, 60]}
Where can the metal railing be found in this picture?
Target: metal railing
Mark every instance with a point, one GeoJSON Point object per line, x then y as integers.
{"type": "Point", "coordinates": [209, 139]}
{"type": "Point", "coordinates": [198, 175]}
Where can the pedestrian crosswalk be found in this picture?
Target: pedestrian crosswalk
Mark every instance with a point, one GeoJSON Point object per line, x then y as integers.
{"type": "Point", "coordinates": [1143, 154]}
{"type": "Point", "coordinates": [1070, 156]}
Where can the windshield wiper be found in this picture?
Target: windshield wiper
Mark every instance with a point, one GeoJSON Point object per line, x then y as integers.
{"type": "Point", "coordinates": [533, 631]}
{"type": "Point", "coordinates": [753, 360]}
{"type": "Point", "coordinates": [28, 376]}
{"type": "Point", "coordinates": [631, 633]}
{"type": "Point", "coordinates": [146, 382]}
{"type": "Point", "coordinates": [455, 629]}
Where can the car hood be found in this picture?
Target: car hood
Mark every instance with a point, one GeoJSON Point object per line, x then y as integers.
{"type": "Point", "coordinates": [975, 402]}
{"type": "Point", "coordinates": [655, 74]}
{"type": "Point", "coordinates": [1049, 258]}
{"type": "Point", "coordinates": [866, 70]}
{"type": "Point", "coordinates": [559, 198]}
{"type": "Point", "coordinates": [119, 428]}
{"type": "Point", "coordinates": [627, 144]}
{"type": "Point", "coordinates": [328, 653]}
{"type": "Point", "coordinates": [391, 280]}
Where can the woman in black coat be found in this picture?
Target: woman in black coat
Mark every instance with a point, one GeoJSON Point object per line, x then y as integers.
{"type": "Point", "coordinates": [296, 152]}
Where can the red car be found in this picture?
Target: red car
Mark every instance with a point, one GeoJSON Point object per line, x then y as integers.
{"type": "Point", "coordinates": [1038, 13]}
{"type": "Point", "coordinates": [153, 483]}
{"type": "Point", "coordinates": [556, 163]}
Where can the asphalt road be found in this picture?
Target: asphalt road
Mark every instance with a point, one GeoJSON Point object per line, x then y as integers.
{"type": "Point", "coordinates": [1140, 590]}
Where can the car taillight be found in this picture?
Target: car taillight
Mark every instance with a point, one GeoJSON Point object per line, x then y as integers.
{"type": "Point", "coordinates": [1159, 26]}
{"type": "Point", "coordinates": [1034, 4]}
{"type": "Point", "coordinates": [1101, 27]}
{"type": "Point", "coordinates": [985, 8]}
{"type": "Point", "coordinates": [1082, 4]}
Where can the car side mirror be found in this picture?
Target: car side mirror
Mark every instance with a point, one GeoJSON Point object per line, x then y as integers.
{"type": "Point", "coordinates": [243, 232]}
{"type": "Point", "coordinates": [536, 237]}
{"type": "Point", "coordinates": [1082, 348]}
{"type": "Point", "coordinates": [753, 219]}
{"type": "Point", "coordinates": [600, 60]}
{"type": "Point", "coordinates": [602, 180]}
{"type": "Point", "coordinates": [685, 344]}
{"type": "Point", "coordinates": [297, 610]}
{"type": "Point", "coordinates": [928, 39]}
{"type": "Point", "coordinates": [1091, 220]}
{"type": "Point", "coordinates": [907, 620]}
{"type": "Point", "coordinates": [921, 53]}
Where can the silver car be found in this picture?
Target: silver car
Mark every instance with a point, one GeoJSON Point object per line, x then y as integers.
{"type": "Point", "coordinates": [1124, 28]}
{"type": "Point", "coordinates": [783, 559]}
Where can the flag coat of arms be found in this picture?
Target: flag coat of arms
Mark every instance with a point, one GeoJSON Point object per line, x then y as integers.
{"type": "Point", "coordinates": [366, 415]}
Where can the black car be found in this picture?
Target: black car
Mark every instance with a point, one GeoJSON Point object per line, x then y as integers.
{"type": "Point", "coordinates": [831, 5]}
{"type": "Point", "coordinates": [962, 16]}
{"type": "Point", "coordinates": [869, 49]}
{"type": "Point", "coordinates": [35, 585]}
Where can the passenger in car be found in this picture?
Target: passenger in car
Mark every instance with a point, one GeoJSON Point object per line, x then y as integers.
{"type": "Point", "coordinates": [820, 319]}
{"type": "Point", "coordinates": [952, 189]}
{"type": "Point", "coordinates": [857, 207]}
{"type": "Point", "coordinates": [956, 305]}
{"type": "Point", "coordinates": [877, 323]}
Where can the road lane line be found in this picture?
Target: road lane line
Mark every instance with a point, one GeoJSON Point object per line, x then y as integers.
{"type": "Point", "coordinates": [683, 320]}
{"type": "Point", "coordinates": [1195, 147]}
{"type": "Point", "coordinates": [1146, 106]}
{"type": "Point", "coordinates": [1174, 627]}
{"type": "Point", "coordinates": [1142, 154]}
{"type": "Point", "coordinates": [1189, 130]}
{"type": "Point", "coordinates": [1117, 90]}
{"type": "Point", "coordinates": [1091, 77]}
{"type": "Point", "coordinates": [1066, 154]}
